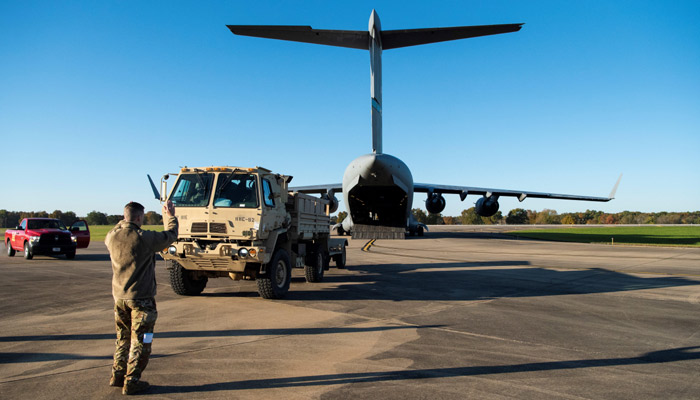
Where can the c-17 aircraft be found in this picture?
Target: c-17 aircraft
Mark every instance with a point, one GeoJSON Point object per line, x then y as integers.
{"type": "Point", "coordinates": [378, 188]}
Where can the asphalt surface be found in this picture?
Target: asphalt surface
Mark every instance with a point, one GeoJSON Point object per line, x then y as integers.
{"type": "Point", "coordinates": [453, 315]}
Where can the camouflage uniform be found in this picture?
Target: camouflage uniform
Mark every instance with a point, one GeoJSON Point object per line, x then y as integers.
{"type": "Point", "coordinates": [132, 251]}
{"type": "Point", "coordinates": [134, 319]}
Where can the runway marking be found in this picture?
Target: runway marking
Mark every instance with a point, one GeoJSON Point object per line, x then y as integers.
{"type": "Point", "coordinates": [368, 245]}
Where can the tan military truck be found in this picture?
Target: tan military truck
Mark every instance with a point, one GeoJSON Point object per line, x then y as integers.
{"type": "Point", "coordinates": [243, 223]}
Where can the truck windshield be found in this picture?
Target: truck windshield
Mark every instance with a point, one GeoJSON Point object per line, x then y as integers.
{"type": "Point", "coordinates": [236, 190]}
{"type": "Point", "coordinates": [45, 224]}
{"type": "Point", "coordinates": [192, 190]}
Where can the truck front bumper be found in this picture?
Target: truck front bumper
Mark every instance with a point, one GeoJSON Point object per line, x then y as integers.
{"type": "Point", "coordinates": [52, 249]}
{"type": "Point", "coordinates": [224, 257]}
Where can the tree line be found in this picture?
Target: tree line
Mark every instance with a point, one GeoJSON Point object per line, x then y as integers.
{"type": "Point", "coordinates": [516, 216]}
{"type": "Point", "coordinates": [10, 219]}
{"type": "Point", "coordinates": [519, 216]}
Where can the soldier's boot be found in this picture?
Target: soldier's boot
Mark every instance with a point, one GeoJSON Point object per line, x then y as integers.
{"type": "Point", "coordinates": [117, 380]}
{"type": "Point", "coordinates": [133, 387]}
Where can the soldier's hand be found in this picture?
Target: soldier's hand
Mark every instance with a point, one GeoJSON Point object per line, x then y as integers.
{"type": "Point", "coordinates": [169, 209]}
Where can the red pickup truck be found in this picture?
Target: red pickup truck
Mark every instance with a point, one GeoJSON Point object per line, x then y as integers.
{"type": "Point", "coordinates": [47, 236]}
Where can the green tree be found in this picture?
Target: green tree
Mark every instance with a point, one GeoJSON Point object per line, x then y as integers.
{"type": "Point", "coordinates": [517, 216]}
{"type": "Point", "coordinates": [96, 218]}
{"type": "Point", "coordinates": [420, 215]}
{"type": "Point", "coordinates": [114, 219]}
{"type": "Point", "coordinates": [568, 219]}
{"type": "Point", "coordinates": [547, 217]}
{"type": "Point", "coordinates": [470, 217]}
{"type": "Point", "coordinates": [152, 218]}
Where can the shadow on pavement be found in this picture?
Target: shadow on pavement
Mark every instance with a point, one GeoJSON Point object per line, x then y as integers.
{"type": "Point", "coordinates": [662, 356]}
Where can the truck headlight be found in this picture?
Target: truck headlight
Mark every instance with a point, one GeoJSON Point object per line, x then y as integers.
{"type": "Point", "coordinates": [34, 239]}
{"type": "Point", "coordinates": [243, 252]}
{"type": "Point", "coordinates": [74, 238]}
{"type": "Point", "coordinates": [172, 250]}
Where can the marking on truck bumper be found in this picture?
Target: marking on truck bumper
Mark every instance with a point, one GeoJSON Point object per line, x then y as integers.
{"type": "Point", "coordinates": [368, 245]}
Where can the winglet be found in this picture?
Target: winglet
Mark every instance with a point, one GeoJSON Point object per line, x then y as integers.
{"type": "Point", "coordinates": [614, 189]}
{"type": "Point", "coordinates": [153, 186]}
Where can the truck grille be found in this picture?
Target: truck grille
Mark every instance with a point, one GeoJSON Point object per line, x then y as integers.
{"type": "Point", "coordinates": [48, 239]}
{"type": "Point", "coordinates": [199, 227]}
{"type": "Point", "coordinates": [217, 228]}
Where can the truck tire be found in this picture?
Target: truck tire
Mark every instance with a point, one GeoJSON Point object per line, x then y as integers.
{"type": "Point", "coordinates": [340, 259]}
{"type": "Point", "coordinates": [27, 252]}
{"type": "Point", "coordinates": [274, 284]}
{"type": "Point", "coordinates": [314, 272]}
{"type": "Point", "coordinates": [183, 281]}
{"type": "Point", "coordinates": [10, 250]}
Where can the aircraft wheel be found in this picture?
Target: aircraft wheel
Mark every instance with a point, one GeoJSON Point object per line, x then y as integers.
{"type": "Point", "coordinates": [27, 252]}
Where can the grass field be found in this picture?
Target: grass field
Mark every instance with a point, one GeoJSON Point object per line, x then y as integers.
{"type": "Point", "coordinates": [635, 235]}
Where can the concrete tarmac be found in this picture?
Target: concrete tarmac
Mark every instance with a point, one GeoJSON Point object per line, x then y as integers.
{"type": "Point", "coordinates": [456, 314]}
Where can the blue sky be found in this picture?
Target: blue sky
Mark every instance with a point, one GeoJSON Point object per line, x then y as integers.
{"type": "Point", "coordinates": [95, 95]}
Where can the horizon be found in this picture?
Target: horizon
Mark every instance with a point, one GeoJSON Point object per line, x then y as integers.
{"type": "Point", "coordinates": [95, 96]}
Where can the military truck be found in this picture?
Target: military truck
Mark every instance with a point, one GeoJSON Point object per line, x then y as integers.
{"type": "Point", "coordinates": [243, 223]}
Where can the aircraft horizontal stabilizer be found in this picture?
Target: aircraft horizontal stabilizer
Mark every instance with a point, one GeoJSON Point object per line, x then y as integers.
{"type": "Point", "coordinates": [413, 37]}
{"type": "Point", "coordinates": [306, 34]}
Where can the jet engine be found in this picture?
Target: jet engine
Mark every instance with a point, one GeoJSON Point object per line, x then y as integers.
{"type": "Point", "coordinates": [487, 206]}
{"type": "Point", "coordinates": [435, 203]}
{"type": "Point", "coordinates": [332, 202]}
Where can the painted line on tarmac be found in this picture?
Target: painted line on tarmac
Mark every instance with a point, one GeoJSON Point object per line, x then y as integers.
{"type": "Point", "coordinates": [368, 245]}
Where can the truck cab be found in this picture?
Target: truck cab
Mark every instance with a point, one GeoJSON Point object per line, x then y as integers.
{"type": "Point", "coordinates": [243, 223]}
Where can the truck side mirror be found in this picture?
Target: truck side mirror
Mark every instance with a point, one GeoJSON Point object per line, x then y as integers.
{"type": "Point", "coordinates": [163, 190]}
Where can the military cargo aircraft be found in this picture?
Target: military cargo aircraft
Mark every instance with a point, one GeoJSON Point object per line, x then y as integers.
{"type": "Point", "coordinates": [378, 188]}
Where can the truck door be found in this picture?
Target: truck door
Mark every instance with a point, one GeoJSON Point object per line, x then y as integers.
{"type": "Point", "coordinates": [81, 231]}
{"type": "Point", "coordinates": [18, 239]}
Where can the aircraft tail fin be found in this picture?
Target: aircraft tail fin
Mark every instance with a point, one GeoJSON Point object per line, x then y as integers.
{"type": "Point", "coordinates": [305, 34]}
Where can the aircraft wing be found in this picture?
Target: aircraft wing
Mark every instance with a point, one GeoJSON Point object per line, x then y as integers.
{"type": "Point", "coordinates": [318, 189]}
{"type": "Point", "coordinates": [521, 195]}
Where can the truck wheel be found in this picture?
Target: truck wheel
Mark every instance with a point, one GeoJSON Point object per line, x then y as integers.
{"type": "Point", "coordinates": [314, 272]}
{"type": "Point", "coordinates": [340, 259]}
{"type": "Point", "coordinates": [70, 255]}
{"type": "Point", "coordinates": [183, 281]}
{"type": "Point", "coordinates": [10, 250]}
{"type": "Point", "coordinates": [27, 252]}
{"type": "Point", "coordinates": [275, 283]}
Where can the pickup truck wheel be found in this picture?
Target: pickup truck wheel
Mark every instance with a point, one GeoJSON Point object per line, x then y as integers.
{"type": "Point", "coordinates": [10, 250]}
{"type": "Point", "coordinates": [314, 272]}
{"type": "Point", "coordinates": [183, 281]}
{"type": "Point", "coordinates": [274, 284]}
{"type": "Point", "coordinates": [27, 252]}
{"type": "Point", "coordinates": [340, 259]}
{"type": "Point", "coordinates": [70, 255]}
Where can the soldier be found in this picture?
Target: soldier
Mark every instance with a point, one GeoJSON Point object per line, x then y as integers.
{"type": "Point", "coordinates": [132, 251]}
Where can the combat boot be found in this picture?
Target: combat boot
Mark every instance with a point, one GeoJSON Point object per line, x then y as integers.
{"type": "Point", "coordinates": [116, 380]}
{"type": "Point", "coordinates": [133, 387]}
